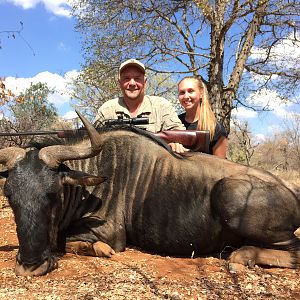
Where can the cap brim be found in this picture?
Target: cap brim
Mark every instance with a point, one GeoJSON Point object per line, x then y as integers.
{"type": "Point", "coordinates": [132, 65]}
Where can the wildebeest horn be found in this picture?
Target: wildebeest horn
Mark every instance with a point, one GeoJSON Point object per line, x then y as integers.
{"type": "Point", "coordinates": [95, 137]}
{"type": "Point", "coordinates": [10, 156]}
{"type": "Point", "coordinates": [54, 155]}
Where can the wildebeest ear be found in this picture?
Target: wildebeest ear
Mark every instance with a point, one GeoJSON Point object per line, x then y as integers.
{"type": "Point", "coordinates": [81, 178]}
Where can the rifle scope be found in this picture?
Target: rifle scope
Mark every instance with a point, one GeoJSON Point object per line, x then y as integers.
{"type": "Point", "coordinates": [132, 121]}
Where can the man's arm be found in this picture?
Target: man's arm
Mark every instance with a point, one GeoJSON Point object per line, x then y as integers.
{"type": "Point", "coordinates": [170, 121]}
{"type": "Point", "coordinates": [105, 112]}
{"type": "Point", "coordinates": [169, 117]}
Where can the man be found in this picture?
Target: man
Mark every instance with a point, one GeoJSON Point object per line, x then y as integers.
{"type": "Point", "coordinates": [134, 103]}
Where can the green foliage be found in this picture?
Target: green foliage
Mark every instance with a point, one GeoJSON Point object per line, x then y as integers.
{"type": "Point", "coordinates": [32, 109]}
{"type": "Point", "coordinates": [29, 111]}
{"type": "Point", "coordinates": [93, 87]}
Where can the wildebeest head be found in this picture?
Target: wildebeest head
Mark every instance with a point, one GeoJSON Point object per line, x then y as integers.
{"type": "Point", "coordinates": [34, 186]}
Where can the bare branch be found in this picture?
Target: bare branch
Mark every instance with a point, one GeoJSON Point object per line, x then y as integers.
{"type": "Point", "coordinates": [13, 33]}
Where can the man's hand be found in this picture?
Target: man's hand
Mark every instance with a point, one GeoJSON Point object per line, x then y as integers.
{"type": "Point", "coordinates": [178, 148]}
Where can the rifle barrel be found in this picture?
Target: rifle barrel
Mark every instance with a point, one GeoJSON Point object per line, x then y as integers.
{"type": "Point", "coordinates": [72, 133]}
{"type": "Point", "coordinates": [22, 133]}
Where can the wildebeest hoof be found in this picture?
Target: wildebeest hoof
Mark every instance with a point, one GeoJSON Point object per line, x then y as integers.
{"type": "Point", "coordinates": [45, 267]}
{"type": "Point", "coordinates": [80, 248]}
{"type": "Point", "coordinates": [245, 256]}
{"type": "Point", "coordinates": [235, 267]}
{"type": "Point", "coordinates": [101, 249]}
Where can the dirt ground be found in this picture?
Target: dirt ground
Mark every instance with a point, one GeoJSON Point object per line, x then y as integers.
{"type": "Point", "coordinates": [137, 275]}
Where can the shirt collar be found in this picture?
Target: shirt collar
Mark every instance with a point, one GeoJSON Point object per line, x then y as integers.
{"type": "Point", "coordinates": [145, 108]}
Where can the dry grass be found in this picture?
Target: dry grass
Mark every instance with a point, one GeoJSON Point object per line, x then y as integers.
{"type": "Point", "coordinates": [291, 176]}
{"type": "Point", "coordinates": [137, 275]}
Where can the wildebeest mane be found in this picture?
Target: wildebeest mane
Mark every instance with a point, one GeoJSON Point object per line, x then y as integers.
{"type": "Point", "coordinates": [46, 141]}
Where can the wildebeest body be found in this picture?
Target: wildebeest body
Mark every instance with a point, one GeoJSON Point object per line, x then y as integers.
{"type": "Point", "coordinates": [148, 197]}
{"type": "Point", "coordinates": [152, 199]}
{"type": "Point", "coordinates": [176, 206]}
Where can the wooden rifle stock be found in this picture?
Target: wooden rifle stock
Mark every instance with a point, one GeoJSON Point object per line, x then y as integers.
{"type": "Point", "coordinates": [196, 140]}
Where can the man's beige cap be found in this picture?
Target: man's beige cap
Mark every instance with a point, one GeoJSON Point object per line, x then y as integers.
{"type": "Point", "coordinates": [131, 62]}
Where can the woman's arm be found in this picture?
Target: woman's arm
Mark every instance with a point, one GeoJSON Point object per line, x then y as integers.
{"type": "Point", "coordinates": [220, 148]}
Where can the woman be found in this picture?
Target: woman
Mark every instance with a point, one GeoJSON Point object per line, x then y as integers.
{"type": "Point", "coordinates": [193, 96]}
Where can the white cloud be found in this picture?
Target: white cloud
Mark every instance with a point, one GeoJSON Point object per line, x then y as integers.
{"type": "Point", "coordinates": [57, 7]}
{"type": "Point", "coordinates": [59, 99]}
{"type": "Point", "coordinates": [274, 128]}
{"type": "Point", "coordinates": [269, 99]}
{"type": "Point", "coordinates": [61, 84]}
{"type": "Point", "coordinates": [244, 113]}
{"type": "Point", "coordinates": [284, 55]}
{"type": "Point", "coordinates": [259, 137]}
{"type": "Point", "coordinates": [70, 115]}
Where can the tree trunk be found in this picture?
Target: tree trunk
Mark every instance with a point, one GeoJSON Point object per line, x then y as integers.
{"type": "Point", "coordinates": [215, 84]}
{"type": "Point", "coordinates": [221, 96]}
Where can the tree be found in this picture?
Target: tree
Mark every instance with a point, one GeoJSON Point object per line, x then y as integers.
{"type": "Point", "coordinates": [90, 90]}
{"type": "Point", "coordinates": [281, 151]}
{"type": "Point", "coordinates": [29, 111]}
{"type": "Point", "coordinates": [213, 39]}
{"type": "Point", "coordinates": [241, 147]}
{"type": "Point", "coordinates": [292, 133]}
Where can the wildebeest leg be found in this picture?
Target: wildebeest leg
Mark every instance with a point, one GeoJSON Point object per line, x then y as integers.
{"type": "Point", "coordinates": [95, 237]}
{"type": "Point", "coordinates": [99, 249]}
{"type": "Point", "coordinates": [251, 256]}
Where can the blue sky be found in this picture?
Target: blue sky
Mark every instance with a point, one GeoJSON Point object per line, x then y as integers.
{"type": "Point", "coordinates": [54, 42]}
{"type": "Point", "coordinates": [49, 50]}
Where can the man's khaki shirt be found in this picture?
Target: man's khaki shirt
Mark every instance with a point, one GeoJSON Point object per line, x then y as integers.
{"type": "Point", "coordinates": [161, 113]}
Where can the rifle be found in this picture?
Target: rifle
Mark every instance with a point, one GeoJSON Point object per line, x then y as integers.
{"type": "Point", "coordinates": [195, 140]}
{"type": "Point", "coordinates": [192, 139]}
{"type": "Point", "coordinates": [73, 133]}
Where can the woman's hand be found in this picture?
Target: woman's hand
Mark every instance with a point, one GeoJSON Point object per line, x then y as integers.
{"type": "Point", "coordinates": [178, 148]}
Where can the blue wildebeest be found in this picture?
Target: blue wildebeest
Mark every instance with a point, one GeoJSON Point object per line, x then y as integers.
{"type": "Point", "coordinates": [132, 189]}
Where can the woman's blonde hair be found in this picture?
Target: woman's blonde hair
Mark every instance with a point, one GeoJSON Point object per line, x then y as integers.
{"type": "Point", "coordinates": [206, 117]}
